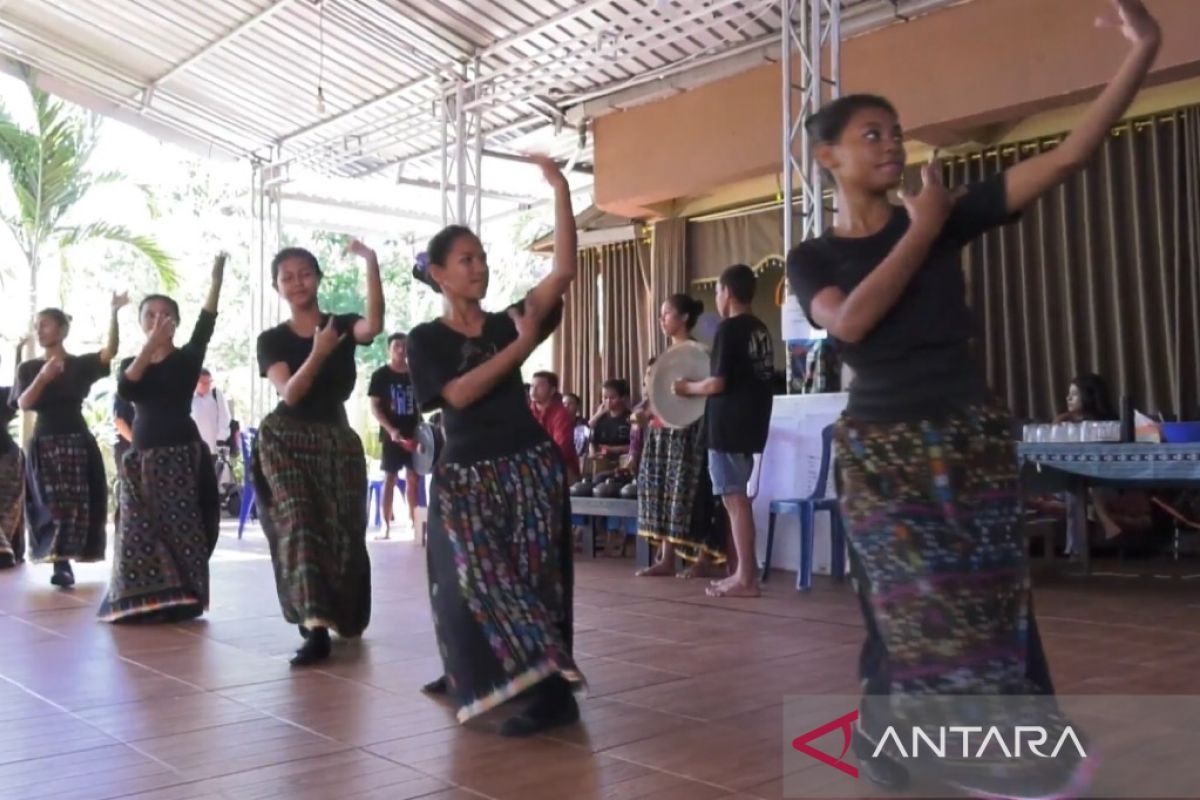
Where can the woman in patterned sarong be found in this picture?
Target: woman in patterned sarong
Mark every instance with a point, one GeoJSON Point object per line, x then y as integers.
{"type": "Point", "coordinates": [310, 471]}
{"type": "Point", "coordinates": [675, 500]}
{"type": "Point", "coordinates": [500, 555]}
{"type": "Point", "coordinates": [66, 493]}
{"type": "Point", "coordinates": [925, 454]}
{"type": "Point", "coordinates": [170, 508]}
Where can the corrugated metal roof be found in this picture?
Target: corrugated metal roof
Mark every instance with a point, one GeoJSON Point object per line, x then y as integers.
{"type": "Point", "coordinates": [243, 75]}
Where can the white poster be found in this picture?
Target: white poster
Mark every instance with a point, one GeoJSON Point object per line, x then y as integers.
{"type": "Point", "coordinates": [794, 324]}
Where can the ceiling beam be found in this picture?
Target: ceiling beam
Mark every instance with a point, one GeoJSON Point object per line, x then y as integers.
{"type": "Point", "coordinates": [230, 35]}
{"type": "Point", "coordinates": [354, 205]}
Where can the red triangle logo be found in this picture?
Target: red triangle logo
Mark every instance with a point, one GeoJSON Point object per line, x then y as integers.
{"type": "Point", "coordinates": [844, 723]}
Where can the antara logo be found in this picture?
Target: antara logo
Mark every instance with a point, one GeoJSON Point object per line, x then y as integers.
{"type": "Point", "coordinates": [1034, 737]}
{"type": "Point", "coordinates": [1024, 738]}
{"type": "Point", "coordinates": [843, 723]}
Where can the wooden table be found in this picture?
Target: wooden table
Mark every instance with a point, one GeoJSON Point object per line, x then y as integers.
{"type": "Point", "coordinates": [1074, 467]}
{"type": "Point", "coordinates": [602, 508]}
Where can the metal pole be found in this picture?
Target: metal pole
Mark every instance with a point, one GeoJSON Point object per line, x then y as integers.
{"type": "Point", "coordinates": [785, 61]}
{"type": "Point", "coordinates": [444, 109]}
{"type": "Point", "coordinates": [815, 87]}
{"type": "Point", "coordinates": [808, 25]}
{"type": "Point", "coordinates": [460, 154]}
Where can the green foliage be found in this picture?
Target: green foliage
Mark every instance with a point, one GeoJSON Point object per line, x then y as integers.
{"type": "Point", "coordinates": [48, 176]}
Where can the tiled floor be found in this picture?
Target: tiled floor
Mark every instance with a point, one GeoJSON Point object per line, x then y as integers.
{"type": "Point", "coordinates": [685, 697]}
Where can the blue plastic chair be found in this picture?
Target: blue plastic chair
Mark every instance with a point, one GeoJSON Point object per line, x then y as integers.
{"type": "Point", "coordinates": [375, 495]}
{"type": "Point", "coordinates": [374, 499]}
{"type": "Point", "coordinates": [806, 509]}
{"type": "Point", "coordinates": [249, 437]}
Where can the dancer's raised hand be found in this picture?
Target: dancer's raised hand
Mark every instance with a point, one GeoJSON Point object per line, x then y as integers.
{"type": "Point", "coordinates": [1133, 20]}
{"type": "Point", "coordinates": [929, 207]}
{"type": "Point", "coordinates": [326, 339]}
{"type": "Point", "coordinates": [550, 169]}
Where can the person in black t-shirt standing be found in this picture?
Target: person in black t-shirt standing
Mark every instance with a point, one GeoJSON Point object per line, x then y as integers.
{"type": "Point", "coordinates": [737, 416]}
{"type": "Point", "coordinates": [500, 556]}
{"type": "Point", "coordinates": [394, 405]}
{"type": "Point", "coordinates": [925, 455]}
{"type": "Point", "coordinates": [310, 472]}
{"type": "Point", "coordinates": [171, 506]}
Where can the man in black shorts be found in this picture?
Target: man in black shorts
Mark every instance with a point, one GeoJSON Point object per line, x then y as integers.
{"type": "Point", "coordinates": [395, 406]}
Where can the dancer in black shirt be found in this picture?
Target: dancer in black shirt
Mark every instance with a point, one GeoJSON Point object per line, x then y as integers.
{"type": "Point", "coordinates": [500, 555]}
{"type": "Point", "coordinates": [924, 452]}
{"type": "Point", "coordinates": [66, 493]}
{"type": "Point", "coordinates": [170, 509]}
{"type": "Point", "coordinates": [309, 468]}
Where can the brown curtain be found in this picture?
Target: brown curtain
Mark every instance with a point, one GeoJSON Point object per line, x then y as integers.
{"type": "Point", "coordinates": [1098, 276]}
{"type": "Point", "coordinates": [668, 271]}
{"type": "Point", "coordinates": [626, 340]}
{"type": "Point", "coordinates": [576, 351]}
{"type": "Point", "coordinates": [713, 245]}
{"type": "Point", "coordinates": [607, 321]}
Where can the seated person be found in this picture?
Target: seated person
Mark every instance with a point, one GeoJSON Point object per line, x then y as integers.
{"type": "Point", "coordinates": [1117, 511]}
{"type": "Point", "coordinates": [611, 423]}
{"type": "Point", "coordinates": [548, 409]}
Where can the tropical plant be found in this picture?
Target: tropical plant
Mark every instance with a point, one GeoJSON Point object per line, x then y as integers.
{"type": "Point", "coordinates": [48, 173]}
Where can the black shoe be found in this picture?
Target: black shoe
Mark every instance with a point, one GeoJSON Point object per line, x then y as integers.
{"type": "Point", "coordinates": [315, 649]}
{"type": "Point", "coordinates": [554, 706]}
{"type": "Point", "coordinates": [64, 576]}
{"type": "Point", "coordinates": [438, 686]}
{"type": "Point", "coordinates": [7, 560]}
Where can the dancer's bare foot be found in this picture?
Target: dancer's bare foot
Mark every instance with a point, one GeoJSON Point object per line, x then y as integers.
{"type": "Point", "coordinates": [659, 569]}
{"type": "Point", "coordinates": [733, 588]}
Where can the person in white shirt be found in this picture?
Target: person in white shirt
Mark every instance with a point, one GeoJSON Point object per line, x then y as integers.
{"type": "Point", "coordinates": [210, 412]}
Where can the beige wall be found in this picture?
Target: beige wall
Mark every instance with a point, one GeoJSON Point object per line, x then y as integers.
{"type": "Point", "coordinates": [956, 75]}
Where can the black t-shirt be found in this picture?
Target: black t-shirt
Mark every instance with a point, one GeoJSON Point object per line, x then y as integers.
{"type": "Point", "coordinates": [739, 418]}
{"type": "Point", "coordinates": [395, 389]}
{"type": "Point", "coordinates": [917, 361]}
{"type": "Point", "coordinates": [612, 431]}
{"type": "Point", "coordinates": [332, 386]}
{"type": "Point", "coordinates": [499, 423]}
{"type": "Point", "coordinates": [60, 408]}
{"type": "Point", "coordinates": [162, 399]}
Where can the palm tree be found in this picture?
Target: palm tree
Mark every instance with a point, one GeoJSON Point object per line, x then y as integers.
{"type": "Point", "coordinates": [47, 167]}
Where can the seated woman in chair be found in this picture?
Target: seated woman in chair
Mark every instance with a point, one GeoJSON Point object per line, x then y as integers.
{"type": "Point", "coordinates": [1117, 511]}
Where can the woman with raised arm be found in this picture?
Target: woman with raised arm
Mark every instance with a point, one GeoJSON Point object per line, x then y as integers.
{"type": "Point", "coordinates": [12, 478]}
{"type": "Point", "coordinates": [170, 506]}
{"type": "Point", "coordinates": [500, 555]}
{"type": "Point", "coordinates": [66, 493]}
{"type": "Point", "coordinates": [925, 453]}
{"type": "Point", "coordinates": [310, 471]}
